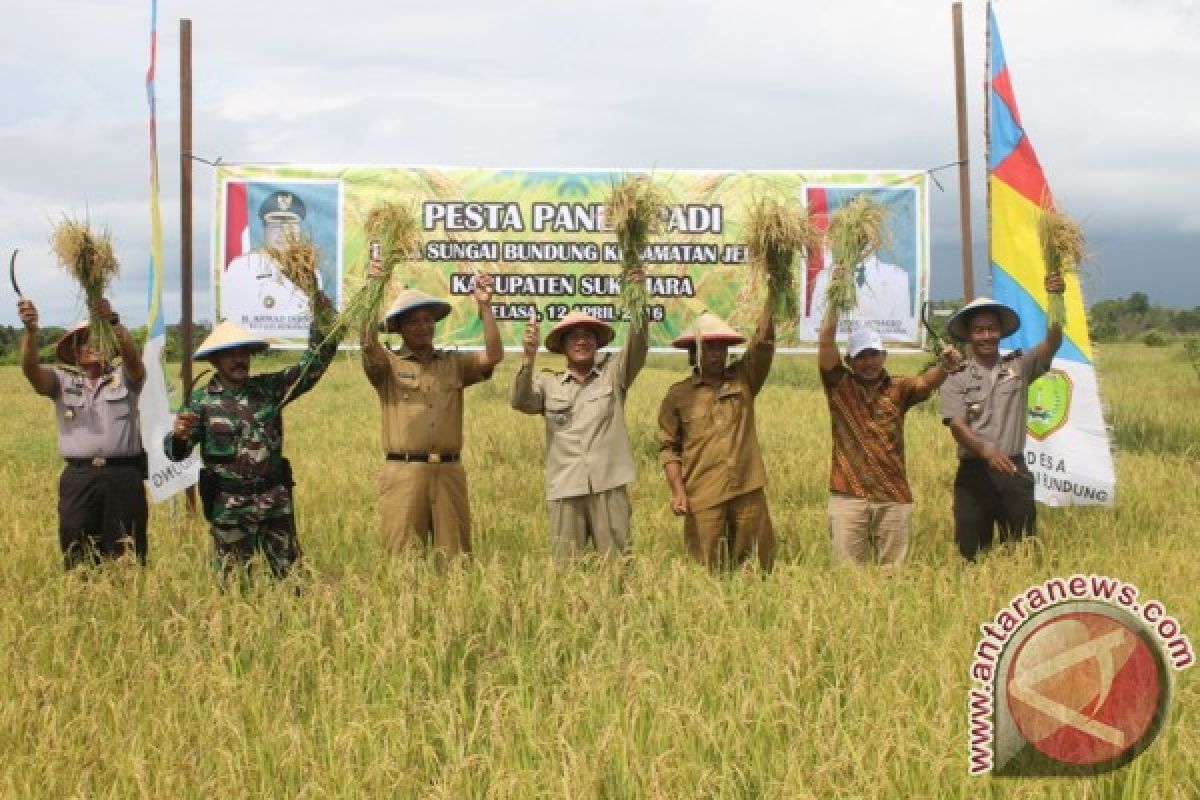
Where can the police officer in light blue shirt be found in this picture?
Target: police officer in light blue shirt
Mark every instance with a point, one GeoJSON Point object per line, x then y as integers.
{"type": "Point", "coordinates": [101, 498]}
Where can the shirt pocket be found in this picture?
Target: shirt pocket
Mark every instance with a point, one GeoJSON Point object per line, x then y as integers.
{"type": "Point", "coordinates": [220, 439]}
{"type": "Point", "coordinates": [73, 409]}
{"type": "Point", "coordinates": [729, 406]}
{"type": "Point", "coordinates": [117, 398]}
{"type": "Point", "coordinates": [558, 411]}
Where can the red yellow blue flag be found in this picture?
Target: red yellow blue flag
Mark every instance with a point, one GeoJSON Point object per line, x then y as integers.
{"type": "Point", "coordinates": [1067, 447]}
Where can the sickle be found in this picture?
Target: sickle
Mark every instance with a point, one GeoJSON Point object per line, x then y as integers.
{"type": "Point", "coordinates": [12, 273]}
{"type": "Point", "coordinates": [935, 339]}
{"type": "Point", "coordinates": [187, 397]}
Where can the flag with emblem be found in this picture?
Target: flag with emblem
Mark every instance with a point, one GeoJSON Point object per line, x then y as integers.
{"type": "Point", "coordinates": [1067, 446]}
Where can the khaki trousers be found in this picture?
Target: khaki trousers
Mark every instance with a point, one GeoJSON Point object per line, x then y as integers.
{"type": "Point", "coordinates": [724, 536]}
{"type": "Point", "coordinates": [603, 518]}
{"type": "Point", "coordinates": [856, 523]}
{"type": "Point", "coordinates": [423, 504]}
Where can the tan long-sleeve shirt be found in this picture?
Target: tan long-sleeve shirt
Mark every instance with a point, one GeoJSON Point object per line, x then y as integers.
{"type": "Point", "coordinates": [710, 430]}
{"type": "Point", "coordinates": [587, 443]}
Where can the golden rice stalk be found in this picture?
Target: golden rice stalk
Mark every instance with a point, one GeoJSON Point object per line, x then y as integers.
{"type": "Point", "coordinates": [856, 231]}
{"type": "Point", "coordinates": [1063, 250]}
{"type": "Point", "coordinates": [775, 230]}
{"type": "Point", "coordinates": [397, 230]}
{"type": "Point", "coordinates": [635, 210]}
{"type": "Point", "coordinates": [88, 257]}
{"type": "Point", "coordinates": [300, 261]}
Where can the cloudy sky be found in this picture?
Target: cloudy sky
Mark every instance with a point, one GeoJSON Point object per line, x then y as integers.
{"type": "Point", "coordinates": [1109, 91]}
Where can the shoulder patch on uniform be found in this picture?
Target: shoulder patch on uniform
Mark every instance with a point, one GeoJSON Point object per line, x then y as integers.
{"type": "Point", "coordinates": [1015, 354]}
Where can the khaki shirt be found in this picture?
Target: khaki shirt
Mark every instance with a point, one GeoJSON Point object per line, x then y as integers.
{"type": "Point", "coordinates": [97, 420]}
{"type": "Point", "coordinates": [994, 402]}
{"type": "Point", "coordinates": [422, 403]}
{"type": "Point", "coordinates": [710, 430]}
{"type": "Point", "coordinates": [587, 443]}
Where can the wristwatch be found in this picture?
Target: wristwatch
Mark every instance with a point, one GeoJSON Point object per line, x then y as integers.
{"type": "Point", "coordinates": [115, 319]}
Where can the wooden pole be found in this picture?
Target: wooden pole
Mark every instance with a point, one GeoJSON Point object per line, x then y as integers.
{"type": "Point", "coordinates": [185, 197]}
{"type": "Point", "coordinates": [987, 133]}
{"type": "Point", "coordinates": [964, 171]}
{"type": "Point", "coordinates": [185, 216]}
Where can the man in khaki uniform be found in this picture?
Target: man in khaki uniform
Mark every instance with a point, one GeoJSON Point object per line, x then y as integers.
{"type": "Point", "coordinates": [709, 449]}
{"type": "Point", "coordinates": [423, 486]}
{"type": "Point", "coordinates": [102, 509]}
{"type": "Point", "coordinates": [588, 458]}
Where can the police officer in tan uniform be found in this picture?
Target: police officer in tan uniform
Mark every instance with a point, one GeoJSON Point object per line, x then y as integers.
{"type": "Point", "coordinates": [588, 458]}
{"type": "Point", "coordinates": [985, 405]}
{"type": "Point", "coordinates": [423, 486]}
{"type": "Point", "coordinates": [101, 497]}
{"type": "Point", "coordinates": [708, 445]}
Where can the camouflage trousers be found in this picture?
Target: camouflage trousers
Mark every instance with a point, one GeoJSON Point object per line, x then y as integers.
{"type": "Point", "coordinates": [275, 538]}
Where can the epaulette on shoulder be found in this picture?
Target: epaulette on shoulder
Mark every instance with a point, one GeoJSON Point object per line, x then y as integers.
{"type": "Point", "coordinates": [1013, 356]}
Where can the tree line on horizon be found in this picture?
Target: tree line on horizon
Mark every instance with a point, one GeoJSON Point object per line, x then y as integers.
{"type": "Point", "coordinates": [1133, 318]}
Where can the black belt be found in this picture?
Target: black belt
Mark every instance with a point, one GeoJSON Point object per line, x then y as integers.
{"type": "Point", "coordinates": [105, 461]}
{"type": "Point", "coordinates": [424, 458]}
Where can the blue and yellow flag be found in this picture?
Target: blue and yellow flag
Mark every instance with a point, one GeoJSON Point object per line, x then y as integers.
{"type": "Point", "coordinates": [1067, 447]}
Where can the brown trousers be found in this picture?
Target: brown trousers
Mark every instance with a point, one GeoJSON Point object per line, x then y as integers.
{"type": "Point", "coordinates": [724, 536]}
{"type": "Point", "coordinates": [424, 504]}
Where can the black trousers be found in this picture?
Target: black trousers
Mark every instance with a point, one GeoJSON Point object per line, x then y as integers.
{"type": "Point", "coordinates": [101, 514]}
{"type": "Point", "coordinates": [985, 499]}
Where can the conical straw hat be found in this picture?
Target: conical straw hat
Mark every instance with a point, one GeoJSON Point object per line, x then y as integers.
{"type": "Point", "coordinates": [1009, 321]}
{"type": "Point", "coordinates": [227, 336]}
{"type": "Point", "coordinates": [411, 299]}
{"type": "Point", "coordinates": [67, 348]}
{"type": "Point", "coordinates": [709, 328]}
{"type": "Point", "coordinates": [578, 319]}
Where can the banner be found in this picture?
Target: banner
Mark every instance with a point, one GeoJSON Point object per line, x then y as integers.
{"type": "Point", "coordinates": [1067, 446]}
{"type": "Point", "coordinates": [542, 234]}
{"type": "Point", "coordinates": [154, 407]}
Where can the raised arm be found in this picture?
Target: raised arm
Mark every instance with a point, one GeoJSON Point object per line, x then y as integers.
{"type": "Point", "coordinates": [761, 349]}
{"type": "Point", "coordinates": [1046, 348]}
{"type": "Point", "coordinates": [827, 350]}
{"type": "Point", "coordinates": [40, 378]}
{"type": "Point", "coordinates": [526, 395]}
{"type": "Point", "coordinates": [493, 347]}
{"type": "Point", "coordinates": [131, 356]}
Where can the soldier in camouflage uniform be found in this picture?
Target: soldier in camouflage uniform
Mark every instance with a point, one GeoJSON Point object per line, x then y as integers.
{"type": "Point", "coordinates": [238, 422]}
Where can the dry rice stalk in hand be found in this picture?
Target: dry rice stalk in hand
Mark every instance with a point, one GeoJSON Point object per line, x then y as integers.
{"type": "Point", "coordinates": [775, 231]}
{"type": "Point", "coordinates": [397, 230]}
{"type": "Point", "coordinates": [1063, 249]}
{"type": "Point", "coordinates": [856, 232]}
{"type": "Point", "coordinates": [89, 259]}
{"type": "Point", "coordinates": [634, 209]}
{"type": "Point", "coordinates": [299, 259]}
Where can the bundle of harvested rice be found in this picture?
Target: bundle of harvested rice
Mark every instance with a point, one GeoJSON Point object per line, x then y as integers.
{"type": "Point", "coordinates": [395, 232]}
{"type": "Point", "coordinates": [88, 257]}
{"type": "Point", "coordinates": [634, 209]}
{"type": "Point", "coordinates": [1063, 250]}
{"type": "Point", "coordinates": [775, 230]}
{"type": "Point", "coordinates": [856, 232]}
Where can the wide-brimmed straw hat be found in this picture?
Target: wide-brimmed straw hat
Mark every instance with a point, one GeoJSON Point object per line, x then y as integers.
{"type": "Point", "coordinates": [578, 319]}
{"type": "Point", "coordinates": [227, 336]}
{"type": "Point", "coordinates": [410, 300]}
{"type": "Point", "coordinates": [67, 348]}
{"type": "Point", "coordinates": [708, 327]}
{"type": "Point", "coordinates": [1009, 321]}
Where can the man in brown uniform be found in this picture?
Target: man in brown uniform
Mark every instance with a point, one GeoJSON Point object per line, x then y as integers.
{"type": "Point", "coordinates": [588, 458]}
{"type": "Point", "coordinates": [869, 497]}
{"type": "Point", "coordinates": [101, 497]}
{"type": "Point", "coordinates": [423, 486]}
{"type": "Point", "coordinates": [709, 449]}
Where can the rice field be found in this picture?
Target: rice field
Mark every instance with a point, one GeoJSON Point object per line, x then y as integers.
{"type": "Point", "coordinates": [365, 676]}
